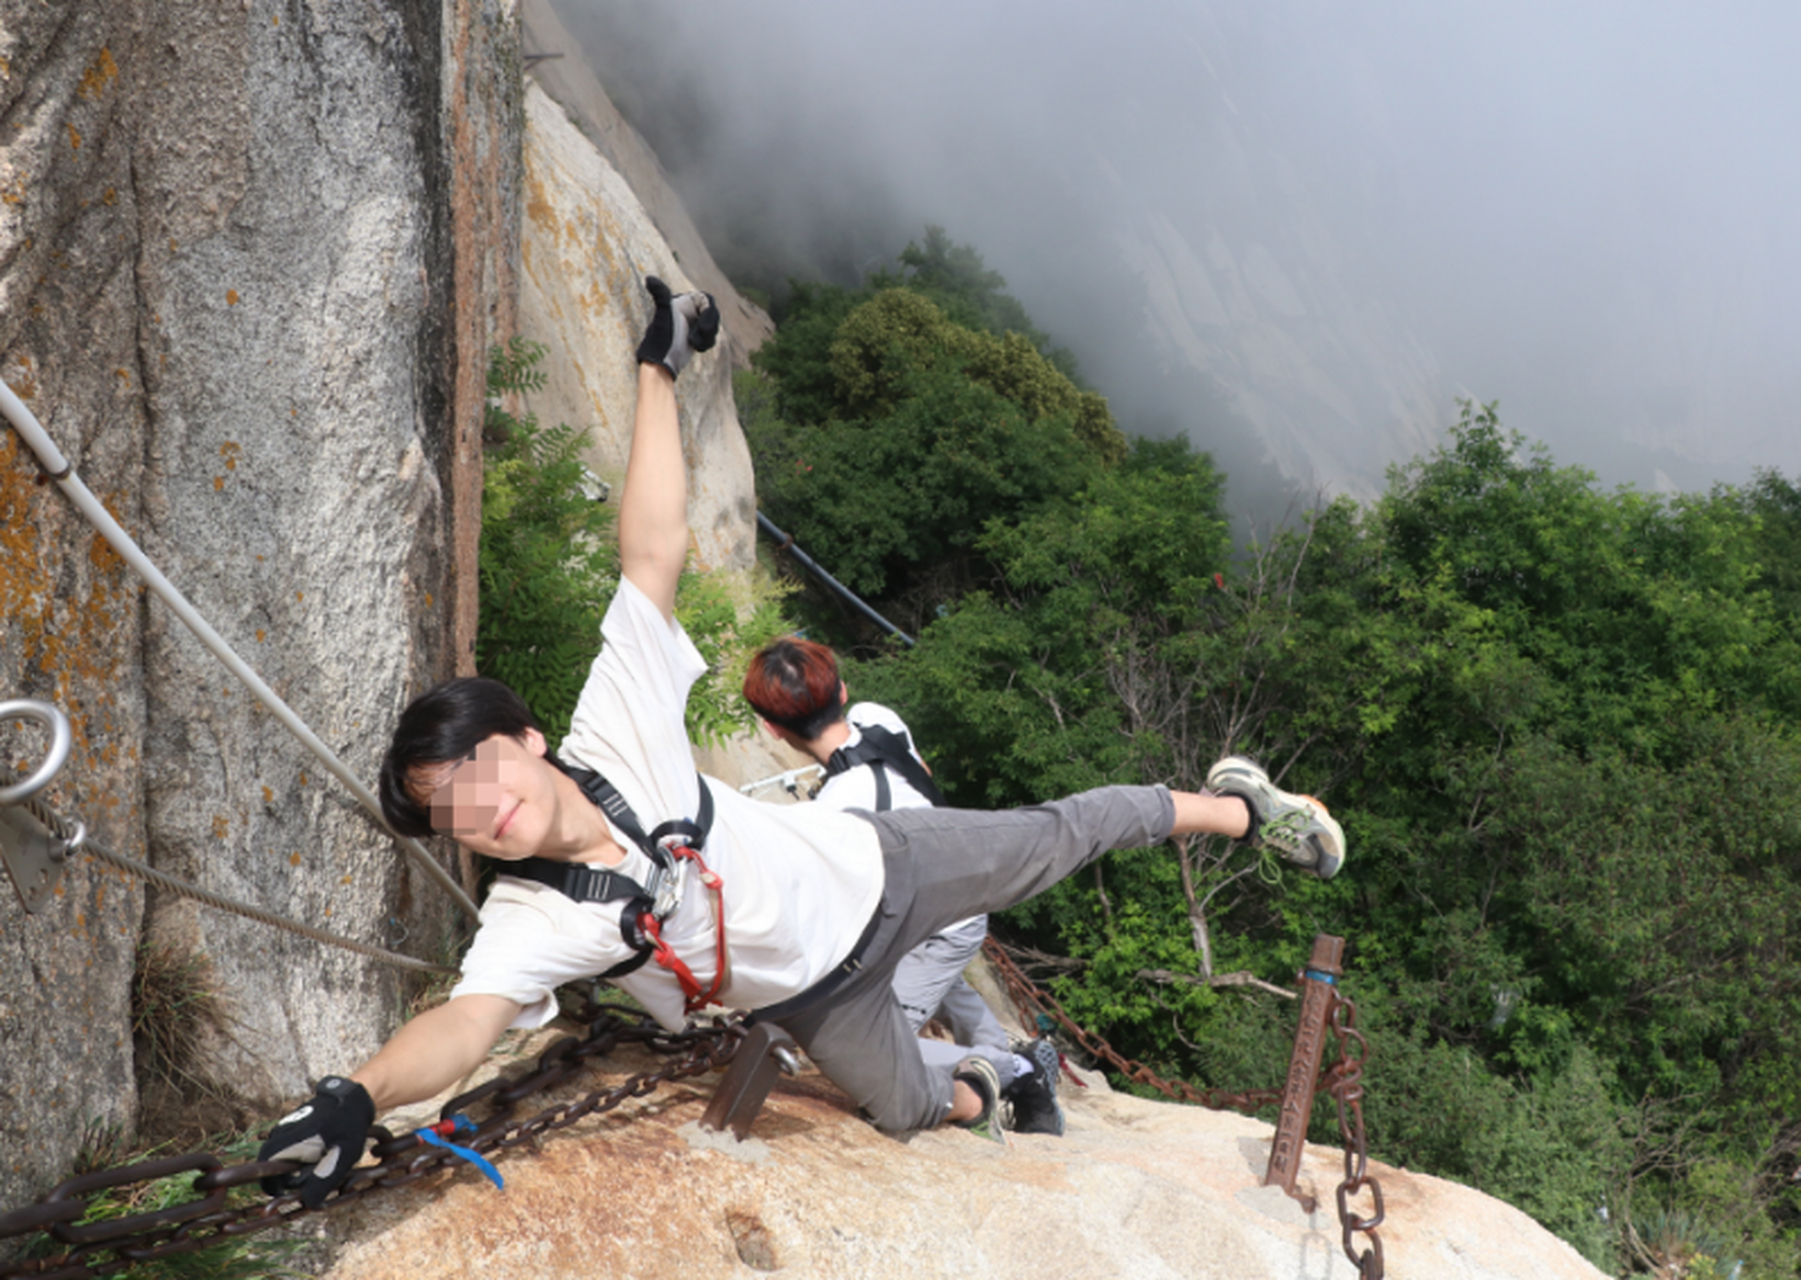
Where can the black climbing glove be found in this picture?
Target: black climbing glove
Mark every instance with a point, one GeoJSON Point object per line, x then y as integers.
{"type": "Point", "coordinates": [683, 324]}
{"type": "Point", "coordinates": [330, 1133]}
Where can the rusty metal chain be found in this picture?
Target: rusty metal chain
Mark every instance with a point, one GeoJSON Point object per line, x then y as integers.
{"type": "Point", "coordinates": [1344, 1081]}
{"type": "Point", "coordinates": [1032, 1000]}
{"type": "Point", "coordinates": [108, 1246]}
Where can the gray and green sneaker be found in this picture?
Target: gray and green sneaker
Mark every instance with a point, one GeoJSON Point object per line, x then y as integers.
{"type": "Point", "coordinates": [979, 1074]}
{"type": "Point", "coordinates": [1297, 827]}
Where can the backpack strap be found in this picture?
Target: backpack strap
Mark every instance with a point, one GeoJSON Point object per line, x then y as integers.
{"type": "Point", "coordinates": [883, 749]}
{"type": "Point", "coordinates": [606, 797]}
{"type": "Point", "coordinates": [646, 907]}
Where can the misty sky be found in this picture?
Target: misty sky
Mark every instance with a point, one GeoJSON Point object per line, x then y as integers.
{"type": "Point", "coordinates": [1582, 211]}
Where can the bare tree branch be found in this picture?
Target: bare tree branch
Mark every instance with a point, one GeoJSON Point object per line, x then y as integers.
{"type": "Point", "coordinates": [1242, 978]}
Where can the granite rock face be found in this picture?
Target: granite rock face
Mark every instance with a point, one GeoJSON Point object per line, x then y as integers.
{"type": "Point", "coordinates": [1135, 1188]}
{"type": "Point", "coordinates": [251, 260]}
{"type": "Point", "coordinates": [565, 75]}
{"type": "Point", "coordinates": [599, 216]}
{"type": "Point", "coordinates": [586, 247]}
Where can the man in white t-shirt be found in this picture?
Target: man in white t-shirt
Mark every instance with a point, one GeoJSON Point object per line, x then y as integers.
{"type": "Point", "coordinates": [800, 913]}
{"type": "Point", "coordinates": [872, 764]}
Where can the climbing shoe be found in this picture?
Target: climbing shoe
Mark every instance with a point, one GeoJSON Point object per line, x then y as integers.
{"type": "Point", "coordinates": [1297, 827]}
{"type": "Point", "coordinates": [979, 1074]}
{"type": "Point", "coordinates": [1034, 1097]}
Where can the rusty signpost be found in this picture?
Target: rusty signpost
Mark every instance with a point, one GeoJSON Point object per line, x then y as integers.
{"type": "Point", "coordinates": [1319, 992]}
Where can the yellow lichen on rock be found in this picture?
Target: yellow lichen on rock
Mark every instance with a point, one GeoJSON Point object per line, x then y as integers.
{"type": "Point", "coordinates": [102, 72]}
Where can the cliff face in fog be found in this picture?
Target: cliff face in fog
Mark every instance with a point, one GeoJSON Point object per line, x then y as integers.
{"type": "Point", "coordinates": [1152, 211]}
{"type": "Point", "coordinates": [1331, 385]}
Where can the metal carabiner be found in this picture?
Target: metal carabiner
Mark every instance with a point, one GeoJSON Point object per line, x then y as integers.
{"type": "Point", "coordinates": [61, 739]}
{"type": "Point", "coordinates": [667, 886]}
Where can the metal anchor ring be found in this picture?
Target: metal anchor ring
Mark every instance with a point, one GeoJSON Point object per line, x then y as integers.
{"type": "Point", "coordinates": [60, 741]}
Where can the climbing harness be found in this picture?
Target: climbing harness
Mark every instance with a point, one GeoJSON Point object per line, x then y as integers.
{"type": "Point", "coordinates": [104, 1247]}
{"type": "Point", "coordinates": [672, 848]}
{"type": "Point", "coordinates": [883, 749]}
{"type": "Point", "coordinates": [58, 468]}
{"type": "Point", "coordinates": [1343, 1080]}
{"type": "Point", "coordinates": [840, 974]}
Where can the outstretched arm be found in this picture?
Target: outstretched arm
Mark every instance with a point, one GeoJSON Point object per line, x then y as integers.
{"type": "Point", "coordinates": [435, 1050]}
{"type": "Point", "coordinates": [328, 1135]}
{"type": "Point", "coordinates": [653, 511]}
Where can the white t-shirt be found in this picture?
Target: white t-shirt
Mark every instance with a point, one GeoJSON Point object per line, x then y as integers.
{"type": "Point", "coordinates": [800, 881]}
{"type": "Point", "coordinates": [856, 788]}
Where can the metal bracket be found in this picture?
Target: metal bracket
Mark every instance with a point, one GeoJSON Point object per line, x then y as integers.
{"type": "Point", "coordinates": [33, 856]}
{"type": "Point", "coordinates": [767, 1051]}
{"type": "Point", "coordinates": [33, 852]}
{"type": "Point", "coordinates": [1318, 993]}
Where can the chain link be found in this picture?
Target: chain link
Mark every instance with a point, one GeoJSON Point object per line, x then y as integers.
{"type": "Point", "coordinates": [1032, 1001]}
{"type": "Point", "coordinates": [1343, 1080]}
{"type": "Point", "coordinates": [108, 1246]}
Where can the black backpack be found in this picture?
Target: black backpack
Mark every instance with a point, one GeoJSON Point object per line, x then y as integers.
{"type": "Point", "coordinates": [883, 749]}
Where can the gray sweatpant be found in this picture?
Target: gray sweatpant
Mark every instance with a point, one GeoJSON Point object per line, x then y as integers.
{"type": "Point", "coordinates": [929, 983]}
{"type": "Point", "coordinates": [943, 865]}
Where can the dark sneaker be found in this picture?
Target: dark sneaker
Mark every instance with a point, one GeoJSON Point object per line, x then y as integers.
{"type": "Point", "coordinates": [979, 1074]}
{"type": "Point", "coordinates": [1297, 827]}
{"type": "Point", "coordinates": [1034, 1096]}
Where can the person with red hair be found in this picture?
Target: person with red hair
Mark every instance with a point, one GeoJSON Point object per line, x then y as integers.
{"type": "Point", "coordinates": [871, 763]}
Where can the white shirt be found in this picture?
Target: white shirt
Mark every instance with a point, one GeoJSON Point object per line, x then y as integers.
{"type": "Point", "coordinates": [800, 881]}
{"type": "Point", "coordinates": [856, 788]}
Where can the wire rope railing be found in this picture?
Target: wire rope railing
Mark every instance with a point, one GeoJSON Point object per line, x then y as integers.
{"type": "Point", "coordinates": [785, 542]}
{"type": "Point", "coordinates": [58, 468]}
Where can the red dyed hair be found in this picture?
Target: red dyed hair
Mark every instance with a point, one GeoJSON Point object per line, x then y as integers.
{"type": "Point", "coordinates": [794, 683]}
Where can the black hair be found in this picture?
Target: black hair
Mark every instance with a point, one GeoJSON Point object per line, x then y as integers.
{"type": "Point", "coordinates": [445, 723]}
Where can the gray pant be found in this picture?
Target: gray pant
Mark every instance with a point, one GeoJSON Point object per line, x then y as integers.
{"type": "Point", "coordinates": [943, 865]}
{"type": "Point", "coordinates": [929, 984]}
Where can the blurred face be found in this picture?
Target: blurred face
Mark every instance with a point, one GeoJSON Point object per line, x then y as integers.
{"type": "Point", "coordinates": [498, 800]}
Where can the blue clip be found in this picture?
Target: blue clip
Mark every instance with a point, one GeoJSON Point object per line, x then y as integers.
{"type": "Point", "coordinates": [1331, 980]}
{"type": "Point", "coordinates": [462, 1125]}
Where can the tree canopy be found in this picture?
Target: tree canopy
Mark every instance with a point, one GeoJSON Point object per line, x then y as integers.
{"type": "Point", "coordinates": [1557, 722]}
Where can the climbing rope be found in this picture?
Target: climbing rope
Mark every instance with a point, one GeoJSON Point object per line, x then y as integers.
{"type": "Point", "coordinates": [62, 472]}
{"type": "Point", "coordinates": [87, 1250]}
{"type": "Point", "coordinates": [73, 838]}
